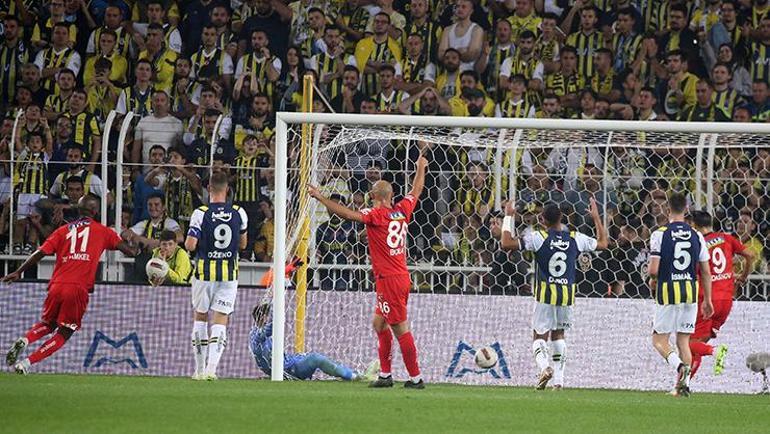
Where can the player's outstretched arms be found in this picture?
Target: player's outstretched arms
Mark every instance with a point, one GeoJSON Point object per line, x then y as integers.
{"type": "Point", "coordinates": [602, 240]}
{"type": "Point", "coordinates": [419, 177]}
{"type": "Point", "coordinates": [508, 240]}
{"type": "Point", "coordinates": [31, 261]}
{"type": "Point", "coordinates": [334, 207]}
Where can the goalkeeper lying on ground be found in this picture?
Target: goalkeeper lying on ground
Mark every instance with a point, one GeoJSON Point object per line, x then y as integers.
{"type": "Point", "coordinates": [295, 366]}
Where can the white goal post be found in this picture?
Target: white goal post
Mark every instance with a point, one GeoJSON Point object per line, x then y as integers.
{"type": "Point", "coordinates": [502, 137]}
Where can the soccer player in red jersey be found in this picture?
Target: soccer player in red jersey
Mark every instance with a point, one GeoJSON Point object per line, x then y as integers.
{"type": "Point", "coordinates": [722, 247]}
{"type": "Point", "coordinates": [78, 247]}
{"type": "Point", "coordinates": [386, 230]}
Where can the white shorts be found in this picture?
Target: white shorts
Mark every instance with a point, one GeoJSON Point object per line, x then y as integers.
{"type": "Point", "coordinates": [216, 296]}
{"type": "Point", "coordinates": [549, 317]}
{"type": "Point", "coordinates": [675, 318]}
{"type": "Point", "coordinates": [26, 204]}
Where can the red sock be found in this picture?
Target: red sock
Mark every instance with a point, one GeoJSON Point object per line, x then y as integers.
{"type": "Point", "coordinates": [696, 359]}
{"type": "Point", "coordinates": [37, 331]}
{"type": "Point", "coordinates": [409, 352]}
{"type": "Point", "coordinates": [385, 350]}
{"type": "Point", "coordinates": [49, 347]}
{"type": "Point", "coordinates": [701, 348]}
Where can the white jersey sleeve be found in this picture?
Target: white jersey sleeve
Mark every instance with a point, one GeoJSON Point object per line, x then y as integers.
{"type": "Point", "coordinates": [533, 240]}
{"type": "Point", "coordinates": [244, 219]}
{"type": "Point", "coordinates": [655, 241]}
{"type": "Point", "coordinates": [196, 220]}
{"type": "Point", "coordinates": [703, 256]}
{"type": "Point", "coordinates": [585, 243]}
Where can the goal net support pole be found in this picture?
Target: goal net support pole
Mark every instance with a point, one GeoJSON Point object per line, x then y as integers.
{"type": "Point", "coordinates": [302, 247]}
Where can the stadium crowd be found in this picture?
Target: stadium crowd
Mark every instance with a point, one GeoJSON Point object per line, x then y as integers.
{"type": "Point", "coordinates": [180, 65]}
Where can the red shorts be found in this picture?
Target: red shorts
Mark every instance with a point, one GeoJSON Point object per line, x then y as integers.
{"type": "Point", "coordinates": [65, 305]}
{"type": "Point", "coordinates": [708, 328]}
{"type": "Point", "coordinates": [392, 296]}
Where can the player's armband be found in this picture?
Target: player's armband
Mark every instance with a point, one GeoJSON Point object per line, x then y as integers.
{"type": "Point", "coordinates": [194, 232]}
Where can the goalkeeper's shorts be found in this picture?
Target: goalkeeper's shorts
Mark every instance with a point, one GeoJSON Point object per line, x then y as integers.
{"type": "Point", "coordinates": [392, 297]}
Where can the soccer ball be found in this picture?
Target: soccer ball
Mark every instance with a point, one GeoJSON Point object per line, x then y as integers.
{"type": "Point", "coordinates": [156, 269]}
{"type": "Point", "coordinates": [486, 357]}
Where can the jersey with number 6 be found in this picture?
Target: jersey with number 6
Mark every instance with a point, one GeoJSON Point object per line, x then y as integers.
{"type": "Point", "coordinates": [556, 253]}
{"type": "Point", "coordinates": [679, 248]}
{"type": "Point", "coordinates": [386, 229]}
{"type": "Point", "coordinates": [722, 247]}
{"type": "Point", "coordinates": [218, 228]}
{"type": "Point", "coordinates": [78, 247]}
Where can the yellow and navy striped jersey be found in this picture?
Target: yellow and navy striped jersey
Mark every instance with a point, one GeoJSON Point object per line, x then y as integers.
{"type": "Point", "coordinates": [52, 59]}
{"type": "Point", "coordinates": [625, 48]}
{"type": "Point", "coordinates": [679, 249]}
{"type": "Point", "coordinates": [84, 128]}
{"type": "Point", "coordinates": [726, 100]}
{"type": "Point", "coordinates": [11, 60]}
{"type": "Point", "coordinates": [32, 173]}
{"type": "Point", "coordinates": [604, 85]}
{"type": "Point", "coordinates": [586, 46]}
{"type": "Point", "coordinates": [163, 65]}
{"type": "Point", "coordinates": [55, 103]}
{"type": "Point", "coordinates": [259, 66]}
{"type": "Point", "coordinates": [760, 62]}
{"type": "Point", "coordinates": [497, 56]}
{"type": "Point", "coordinates": [388, 51]}
{"type": "Point", "coordinates": [121, 45]}
{"type": "Point", "coordinates": [556, 253]}
{"type": "Point", "coordinates": [431, 37]}
{"type": "Point", "coordinates": [326, 64]}
{"type": "Point", "coordinates": [180, 200]}
{"type": "Point", "coordinates": [210, 66]}
{"type": "Point", "coordinates": [247, 175]}
{"type": "Point", "coordinates": [519, 24]}
{"type": "Point", "coordinates": [137, 101]}
{"type": "Point", "coordinates": [388, 104]}
{"type": "Point", "coordinates": [43, 32]}
{"type": "Point", "coordinates": [516, 109]}
{"type": "Point", "coordinates": [218, 228]}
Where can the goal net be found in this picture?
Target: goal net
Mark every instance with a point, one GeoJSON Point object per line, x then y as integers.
{"type": "Point", "coordinates": [467, 293]}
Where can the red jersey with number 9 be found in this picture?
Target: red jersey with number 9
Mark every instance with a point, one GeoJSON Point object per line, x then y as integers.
{"type": "Point", "coordinates": [78, 247]}
{"type": "Point", "coordinates": [722, 247]}
{"type": "Point", "coordinates": [386, 229]}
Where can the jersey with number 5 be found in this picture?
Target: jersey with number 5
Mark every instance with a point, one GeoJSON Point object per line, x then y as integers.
{"type": "Point", "coordinates": [680, 249]}
{"type": "Point", "coordinates": [79, 246]}
{"type": "Point", "coordinates": [218, 228]}
{"type": "Point", "coordinates": [722, 247]}
{"type": "Point", "coordinates": [386, 230]}
{"type": "Point", "coordinates": [556, 254]}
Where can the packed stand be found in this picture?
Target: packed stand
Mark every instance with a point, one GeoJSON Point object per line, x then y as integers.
{"type": "Point", "coordinates": [203, 80]}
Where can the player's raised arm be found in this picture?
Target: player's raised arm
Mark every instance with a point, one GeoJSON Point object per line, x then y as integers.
{"type": "Point", "coordinates": [508, 238]}
{"type": "Point", "coordinates": [602, 240]}
{"type": "Point", "coordinates": [334, 207]}
{"type": "Point", "coordinates": [419, 177]}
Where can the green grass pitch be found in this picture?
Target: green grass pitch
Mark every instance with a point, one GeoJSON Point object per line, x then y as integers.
{"type": "Point", "coordinates": [102, 404]}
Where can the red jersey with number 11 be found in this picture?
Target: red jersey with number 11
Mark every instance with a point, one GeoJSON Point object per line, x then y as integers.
{"type": "Point", "coordinates": [386, 229]}
{"type": "Point", "coordinates": [78, 247]}
{"type": "Point", "coordinates": [722, 247]}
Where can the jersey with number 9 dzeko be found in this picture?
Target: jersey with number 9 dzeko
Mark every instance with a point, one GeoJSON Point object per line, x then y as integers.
{"type": "Point", "coordinates": [679, 248]}
{"type": "Point", "coordinates": [386, 230]}
{"type": "Point", "coordinates": [556, 254]}
{"type": "Point", "coordinates": [218, 228]}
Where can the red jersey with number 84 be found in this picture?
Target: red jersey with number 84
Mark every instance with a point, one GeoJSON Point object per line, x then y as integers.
{"type": "Point", "coordinates": [386, 230]}
{"type": "Point", "coordinates": [722, 247]}
{"type": "Point", "coordinates": [78, 247]}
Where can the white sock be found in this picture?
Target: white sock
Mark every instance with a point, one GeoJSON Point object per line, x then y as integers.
{"type": "Point", "coordinates": [558, 348]}
{"type": "Point", "coordinates": [416, 379]}
{"type": "Point", "coordinates": [200, 342]}
{"type": "Point", "coordinates": [384, 374]}
{"type": "Point", "coordinates": [540, 351]}
{"type": "Point", "coordinates": [674, 361]}
{"type": "Point", "coordinates": [217, 344]}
